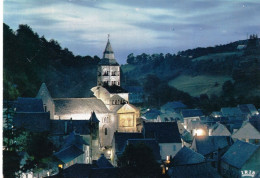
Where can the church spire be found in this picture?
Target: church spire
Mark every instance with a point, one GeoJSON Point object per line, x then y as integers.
{"type": "Point", "coordinates": [108, 52]}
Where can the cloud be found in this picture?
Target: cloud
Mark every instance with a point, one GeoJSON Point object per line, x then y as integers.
{"type": "Point", "coordinates": [135, 26]}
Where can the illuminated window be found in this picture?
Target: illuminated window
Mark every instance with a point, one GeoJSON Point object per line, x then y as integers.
{"type": "Point", "coordinates": [60, 166]}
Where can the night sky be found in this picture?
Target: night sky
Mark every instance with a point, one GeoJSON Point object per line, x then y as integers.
{"type": "Point", "coordinates": [136, 26]}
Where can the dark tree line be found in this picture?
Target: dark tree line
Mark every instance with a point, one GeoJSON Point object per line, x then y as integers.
{"type": "Point", "coordinates": [30, 60]}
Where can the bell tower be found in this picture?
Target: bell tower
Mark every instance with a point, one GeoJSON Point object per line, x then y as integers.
{"type": "Point", "coordinates": [108, 68]}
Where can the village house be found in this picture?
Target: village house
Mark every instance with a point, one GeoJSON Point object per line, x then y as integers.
{"type": "Point", "coordinates": [188, 163]}
{"type": "Point", "coordinates": [118, 144]}
{"type": "Point", "coordinates": [101, 168]}
{"type": "Point", "coordinates": [190, 114]}
{"type": "Point", "coordinates": [212, 147]}
{"type": "Point", "coordinates": [241, 160]}
{"type": "Point", "coordinates": [219, 129]}
{"type": "Point", "coordinates": [167, 134]}
{"type": "Point", "coordinates": [249, 131]}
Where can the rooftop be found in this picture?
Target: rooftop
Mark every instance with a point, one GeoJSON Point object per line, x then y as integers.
{"type": "Point", "coordinates": [187, 156]}
{"type": "Point", "coordinates": [29, 105]}
{"type": "Point", "coordinates": [239, 153]}
{"type": "Point", "coordinates": [163, 132]}
{"type": "Point", "coordinates": [79, 106]}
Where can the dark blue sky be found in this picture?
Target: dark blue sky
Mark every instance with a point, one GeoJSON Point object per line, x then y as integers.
{"type": "Point", "coordinates": [136, 26]}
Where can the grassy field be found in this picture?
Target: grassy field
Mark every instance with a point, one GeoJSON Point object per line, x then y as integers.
{"type": "Point", "coordinates": [217, 56]}
{"type": "Point", "coordinates": [199, 84]}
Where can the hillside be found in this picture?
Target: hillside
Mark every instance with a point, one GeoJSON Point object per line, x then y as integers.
{"type": "Point", "coordinates": [30, 60]}
{"type": "Point", "coordinates": [222, 73]}
{"type": "Point", "coordinates": [208, 78]}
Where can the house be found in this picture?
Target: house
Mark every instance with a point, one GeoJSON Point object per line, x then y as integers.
{"type": "Point", "coordinates": [219, 129]}
{"type": "Point", "coordinates": [151, 143]}
{"type": "Point", "coordinates": [212, 147]}
{"type": "Point", "coordinates": [152, 115]}
{"type": "Point", "coordinates": [249, 131]}
{"type": "Point", "coordinates": [136, 94]}
{"type": "Point", "coordinates": [100, 168]}
{"type": "Point", "coordinates": [241, 159]}
{"type": "Point", "coordinates": [200, 170]}
{"type": "Point", "coordinates": [195, 127]}
{"type": "Point", "coordinates": [75, 150]}
{"type": "Point", "coordinates": [190, 114]}
{"type": "Point", "coordinates": [118, 143]}
{"type": "Point", "coordinates": [248, 109]}
{"type": "Point", "coordinates": [233, 113]}
{"type": "Point", "coordinates": [167, 134]}
{"type": "Point", "coordinates": [30, 114]}
{"type": "Point", "coordinates": [169, 116]}
{"type": "Point", "coordinates": [189, 164]}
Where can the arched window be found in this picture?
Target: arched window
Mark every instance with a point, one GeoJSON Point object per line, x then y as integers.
{"type": "Point", "coordinates": [105, 131]}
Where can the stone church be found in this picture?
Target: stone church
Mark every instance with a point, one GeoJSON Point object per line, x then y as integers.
{"type": "Point", "coordinates": [110, 104]}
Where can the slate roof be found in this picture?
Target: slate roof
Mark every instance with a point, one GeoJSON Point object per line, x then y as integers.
{"type": "Point", "coordinates": [43, 91]}
{"type": "Point", "coordinates": [32, 121]}
{"type": "Point", "coordinates": [29, 105]}
{"type": "Point", "coordinates": [74, 139]}
{"type": "Point", "coordinates": [93, 117]}
{"type": "Point", "coordinates": [80, 126]}
{"type": "Point", "coordinates": [108, 52]}
{"type": "Point", "coordinates": [151, 143]}
{"type": "Point", "coordinates": [202, 170]}
{"type": "Point", "coordinates": [115, 89]}
{"type": "Point", "coordinates": [209, 144]}
{"type": "Point", "coordinates": [163, 132]}
{"type": "Point", "coordinates": [239, 153]}
{"type": "Point", "coordinates": [79, 106]}
{"type": "Point", "coordinates": [102, 162]}
{"type": "Point", "coordinates": [76, 171]}
{"type": "Point", "coordinates": [248, 109]}
{"type": "Point", "coordinates": [187, 156]}
{"type": "Point", "coordinates": [255, 121]}
{"type": "Point", "coordinates": [87, 171]}
{"type": "Point", "coordinates": [68, 154]}
{"type": "Point", "coordinates": [151, 114]}
{"type": "Point", "coordinates": [218, 129]}
{"type": "Point", "coordinates": [104, 173]}
{"type": "Point", "coordinates": [120, 139]}
{"type": "Point", "coordinates": [192, 113]}
{"type": "Point", "coordinates": [231, 111]}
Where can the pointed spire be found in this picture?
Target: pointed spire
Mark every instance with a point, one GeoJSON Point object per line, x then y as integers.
{"type": "Point", "coordinates": [93, 117]}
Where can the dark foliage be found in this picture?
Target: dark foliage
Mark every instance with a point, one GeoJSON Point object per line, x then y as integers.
{"type": "Point", "coordinates": [138, 161]}
{"type": "Point", "coordinates": [30, 60]}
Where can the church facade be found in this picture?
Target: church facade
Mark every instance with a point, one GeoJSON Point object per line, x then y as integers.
{"type": "Point", "coordinates": [110, 104]}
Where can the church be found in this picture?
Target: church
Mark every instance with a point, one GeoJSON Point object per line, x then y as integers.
{"type": "Point", "coordinates": [110, 102]}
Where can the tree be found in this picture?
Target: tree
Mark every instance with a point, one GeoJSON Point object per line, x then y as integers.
{"type": "Point", "coordinates": [138, 161]}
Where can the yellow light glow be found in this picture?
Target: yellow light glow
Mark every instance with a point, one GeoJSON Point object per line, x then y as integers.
{"type": "Point", "coordinates": [108, 152]}
{"type": "Point", "coordinates": [60, 166]}
{"type": "Point", "coordinates": [200, 132]}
